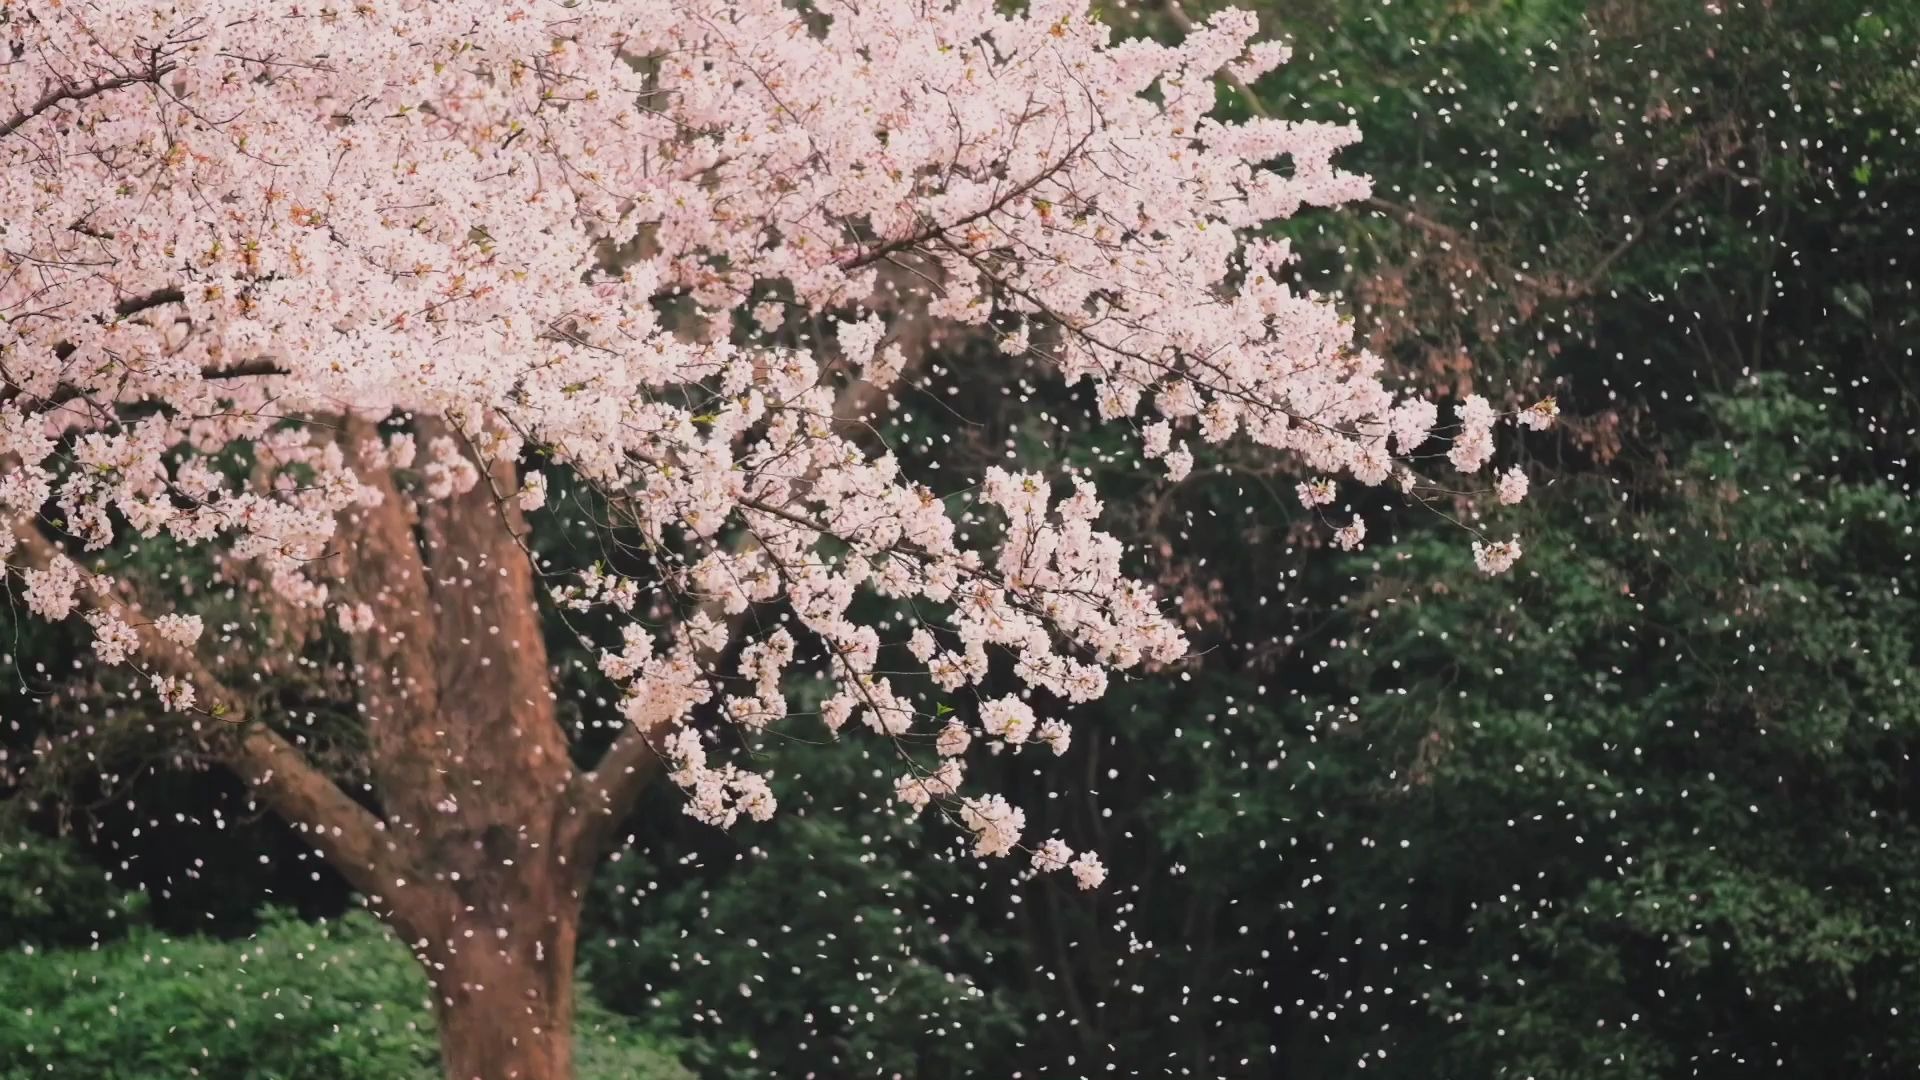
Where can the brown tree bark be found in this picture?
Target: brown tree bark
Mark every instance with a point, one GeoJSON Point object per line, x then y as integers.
{"type": "Point", "coordinates": [503, 976]}
{"type": "Point", "coordinates": [482, 834]}
{"type": "Point", "coordinates": [472, 770]}
{"type": "Point", "coordinates": [477, 845]}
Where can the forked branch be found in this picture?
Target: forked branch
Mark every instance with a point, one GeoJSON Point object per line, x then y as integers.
{"type": "Point", "coordinates": [347, 834]}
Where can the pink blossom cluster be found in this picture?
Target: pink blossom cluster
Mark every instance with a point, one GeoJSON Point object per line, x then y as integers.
{"type": "Point", "coordinates": [224, 224]}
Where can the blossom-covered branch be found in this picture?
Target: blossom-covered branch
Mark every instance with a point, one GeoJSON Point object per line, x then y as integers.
{"type": "Point", "coordinates": [427, 254]}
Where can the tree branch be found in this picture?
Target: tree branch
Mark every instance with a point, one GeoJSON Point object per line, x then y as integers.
{"type": "Point", "coordinates": [153, 74]}
{"type": "Point", "coordinates": [934, 232]}
{"type": "Point", "coordinates": [602, 799]}
{"type": "Point", "coordinates": [379, 564]}
{"type": "Point", "coordinates": [347, 834]}
{"type": "Point", "coordinates": [1599, 269]}
{"type": "Point", "coordinates": [134, 305]}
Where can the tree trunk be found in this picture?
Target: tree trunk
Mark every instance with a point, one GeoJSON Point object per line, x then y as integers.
{"type": "Point", "coordinates": [503, 978]}
{"type": "Point", "coordinates": [483, 833]}
{"type": "Point", "coordinates": [473, 773]}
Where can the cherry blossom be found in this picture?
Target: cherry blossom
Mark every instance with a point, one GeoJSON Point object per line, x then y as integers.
{"type": "Point", "coordinates": [1496, 557]}
{"type": "Point", "coordinates": [1540, 415]}
{"type": "Point", "coordinates": [1052, 855]}
{"type": "Point", "coordinates": [1317, 492]}
{"type": "Point", "coordinates": [1512, 486]}
{"type": "Point", "coordinates": [1350, 536]}
{"type": "Point", "coordinates": [1088, 870]}
{"type": "Point", "coordinates": [515, 248]}
{"type": "Point", "coordinates": [179, 629]}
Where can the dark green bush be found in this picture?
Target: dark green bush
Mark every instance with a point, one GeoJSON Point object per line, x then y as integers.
{"type": "Point", "coordinates": [49, 896]}
{"type": "Point", "coordinates": [297, 1001]}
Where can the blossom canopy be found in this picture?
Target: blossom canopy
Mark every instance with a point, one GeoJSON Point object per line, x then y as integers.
{"type": "Point", "coordinates": [453, 239]}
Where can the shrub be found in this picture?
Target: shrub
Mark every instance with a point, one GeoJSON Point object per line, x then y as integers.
{"type": "Point", "coordinates": [296, 1001]}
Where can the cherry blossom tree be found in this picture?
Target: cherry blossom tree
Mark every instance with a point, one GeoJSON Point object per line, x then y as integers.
{"type": "Point", "coordinates": [344, 297]}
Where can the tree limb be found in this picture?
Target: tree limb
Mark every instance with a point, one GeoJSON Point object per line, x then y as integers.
{"type": "Point", "coordinates": [935, 231]}
{"type": "Point", "coordinates": [347, 834]}
{"type": "Point", "coordinates": [602, 799]}
{"type": "Point", "coordinates": [379, 564]}
{"type": "Point", "coordinates": [153, 74]}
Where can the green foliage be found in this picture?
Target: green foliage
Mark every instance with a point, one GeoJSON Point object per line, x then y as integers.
{"type": "Point", "coordinates": [608, 1046]}
{"type": "Point", "coordinates": [1639, 810]}
{"type": "Point", "coordinates": [1679, 753]}
{"type": "Point", "coordinates": [805, 945]}
{"type": "Point", "coordinates": [334, 1002]}
{"type": "Point", "coordinates": [297, 1001]}
{"type": "Point", "coordinates": [50, 896]}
